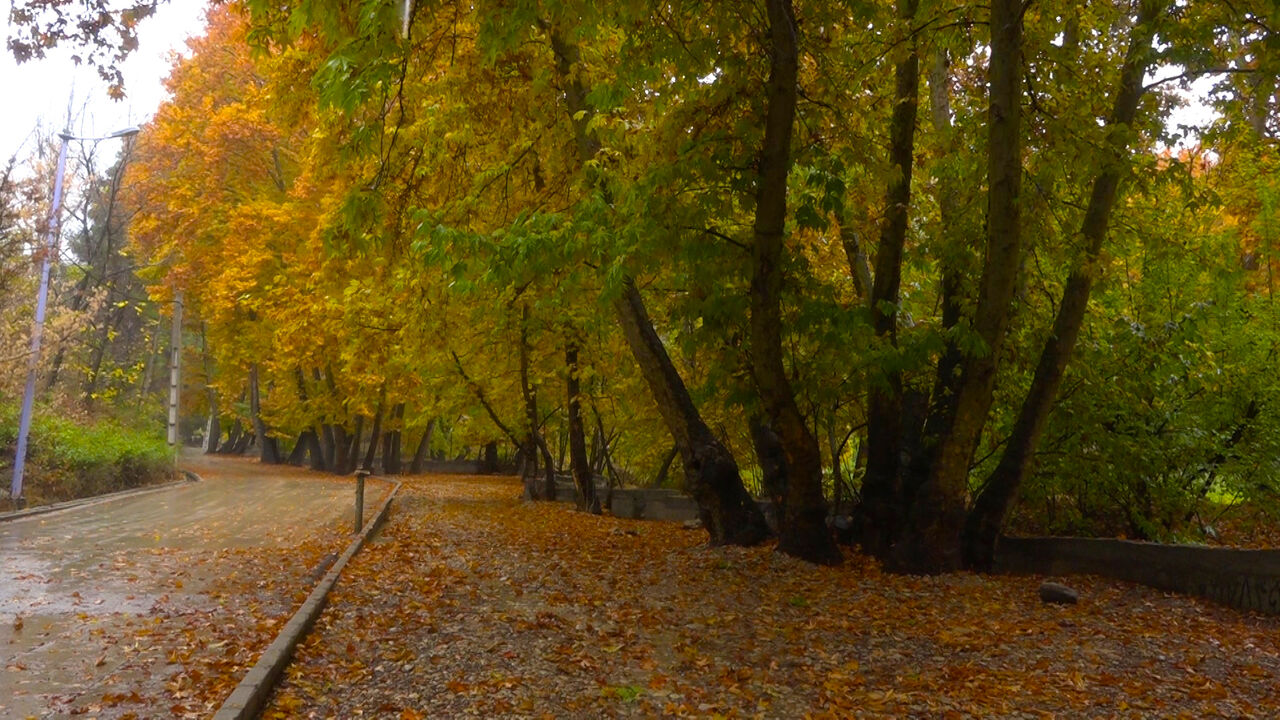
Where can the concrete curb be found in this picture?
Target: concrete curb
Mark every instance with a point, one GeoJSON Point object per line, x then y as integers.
{"type": "Point", "coordinates": [250, 696]}
{"type": "Point", "coordinates": [99, 499]}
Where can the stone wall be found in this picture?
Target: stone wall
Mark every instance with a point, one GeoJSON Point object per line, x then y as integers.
{"type": "Point", "coordinates": [1242, 579]}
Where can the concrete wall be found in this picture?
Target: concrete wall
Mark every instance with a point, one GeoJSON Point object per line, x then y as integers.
{"type": "Point", "coordinates": [1242, 579]}
{"type": "Point", "coordinates": [653, 504]}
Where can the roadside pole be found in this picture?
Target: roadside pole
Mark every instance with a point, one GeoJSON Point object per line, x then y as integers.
{"type": "Point", "coordinates": [175, 370]}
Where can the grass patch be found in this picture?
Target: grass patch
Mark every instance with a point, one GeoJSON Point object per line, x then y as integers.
{"type": "Point", "coordinates": [69, 458]}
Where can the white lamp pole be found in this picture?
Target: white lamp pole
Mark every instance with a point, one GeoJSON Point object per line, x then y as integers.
{"type": "Point", "coordinates": [42, 297]}
{"type": "Point", "coordinates": [175, 367]}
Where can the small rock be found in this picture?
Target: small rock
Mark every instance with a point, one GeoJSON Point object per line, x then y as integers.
{"type": "Point", "coordinates": [692, 524]}
{"type": "Point", "coordinates": [1060, 594]}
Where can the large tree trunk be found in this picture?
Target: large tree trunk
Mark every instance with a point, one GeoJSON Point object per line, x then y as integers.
{"type": "Point", "coordinates": [423, 449]}
{"type": "Point", "coordinates": [341, 450]}
{"type": "Point", "coordinates": [391, 464]}
{"type": "Point", "coordinates": [354, 444]}
{"type": "Point", "coordinates": [985, 519]}
{"type": "Point", "coordinates": [931, 538]}
{"type": "Point", "coordinates": [803, 529]}
{"type": "Point", "coordinates": [299, 452]}
{"type": "Point", "coordinates": [711, 474]}
{"type": "Point", "coordinates": [376, 434]}
{"type": "Point", "coordinates": [728, 512]}
{"type": "Point", "coordinates": [772, 458]}
{"type": "Point", "coordinates": [578, 462]}
{"type": "Point", "coordinates": [268, 448]}
{"type": "Point", "coordinates": [881, 510]}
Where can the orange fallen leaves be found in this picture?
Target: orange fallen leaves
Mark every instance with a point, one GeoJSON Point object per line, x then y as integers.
{"type": "Point", "coordinates": [472, 602]}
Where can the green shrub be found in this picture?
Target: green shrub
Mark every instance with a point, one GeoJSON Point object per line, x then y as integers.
{"type": "Point", "coordinates": [70, 459]}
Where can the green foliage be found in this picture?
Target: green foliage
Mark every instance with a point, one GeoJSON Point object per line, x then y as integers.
{"type": "Point", "coordinates": [69, 458]}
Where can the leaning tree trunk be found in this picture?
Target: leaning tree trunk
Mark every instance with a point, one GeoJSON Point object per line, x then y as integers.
{"type": "Point", "coordinates": [803, 528]}
{"type": "Point", "coordinates": [931, 539]}
{"type": "Point", "coordinates": [578, 462]}
{"type": "Point", "coordinates": [299, 452]}
{"type": "Point", "coordinates": [728, 512]}
{"type": "Point", "coordinates": [982, 526]}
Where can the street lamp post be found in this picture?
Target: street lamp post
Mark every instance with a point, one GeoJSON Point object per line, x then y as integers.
{"type": "Point", "coordinates": [42, 296]}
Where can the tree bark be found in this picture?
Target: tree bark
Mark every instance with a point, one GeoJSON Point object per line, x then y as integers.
{"type": "Point", "coordinates": [931, 541]}
{"type": "Point", "coordinates": [982, 526]}
{"type": "Point", "coordinates": [354, 443]}
{"type": "Point", "coordinates": [299, 451]}
{"type": "Point", "coordinates": [729, 514]}
{"type": "Point", "coordinates": [268, 448]}
{"type": "Point", "coordinates": [665, 468]}
{"type": "Point", "coordinates": [534, 440]}
{"type": "Point", "coordinates": [772, 459]}
{"type": "Point", "coordinates": [803, 529]}
{"type": "Point", "coordinates": [376, 432]}
{"type": "Point", "coordinates": [213, 427]}
{"type": "Point", "coordinates": [391, 464]}
{"type": "Point", "coordinates": [578, 462]}
{"type": "Point", "coordinates": [424, 448]}
{"type": "Point", "coordinates": [881, 510]}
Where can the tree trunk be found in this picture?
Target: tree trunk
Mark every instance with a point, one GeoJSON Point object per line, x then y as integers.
{"type": "Point", "coordinates": [803, 529]}
{"type": "Point", "coordinates": [931, 541]}
{"type": "Point", "coordinates": [299, 452]}
{"type": "Point", "coordinates": [728, 512]}
{"type": "Point", "coordinates": [353, 448]}
{"type": "Point", "coordinates": [391, 464]}
{"type": "Point", "coordinates": [772, 459]}
{"type": "Point", "coordinates": [881, 511]}
{"type": "Point", "coordinates": [233, 437]}
{"type": "Point", "coordinates": [665, 468]}
{"type": "Point", "coordinates": [268, 448]}
{"type": "Point", "coordinates": [341, 450]}
{"type": "Point", "coordinates": [213, 428]}
{"type": "Point", "coordinates": [424, 448]}
{"type": "Point", "coordinates": [376, 434]}
{"type": "Point", "coordinates": [578, 462]}
{"type": "Point", "coordinates": [982, 526]}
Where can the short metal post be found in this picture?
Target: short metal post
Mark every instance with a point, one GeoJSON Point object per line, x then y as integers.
{"type": "Point", "coordinates": [361, 474]}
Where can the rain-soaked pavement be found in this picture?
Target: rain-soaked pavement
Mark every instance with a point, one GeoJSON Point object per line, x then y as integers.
{"type": "Point", "coordinates": [71, 578]}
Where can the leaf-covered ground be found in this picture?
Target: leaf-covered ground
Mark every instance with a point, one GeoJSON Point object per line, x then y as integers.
{"type": "Point", "coordinates": [474, 603]}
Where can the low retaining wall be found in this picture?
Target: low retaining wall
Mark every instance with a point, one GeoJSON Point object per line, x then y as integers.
{"type": "Point", "coordinates": [654, 504]}
{"type": "Point", "coordinates": [1242, 579]}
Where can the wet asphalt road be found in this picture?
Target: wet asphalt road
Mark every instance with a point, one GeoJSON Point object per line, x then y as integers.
{"type": "Point", "coordinates": [68, 577]}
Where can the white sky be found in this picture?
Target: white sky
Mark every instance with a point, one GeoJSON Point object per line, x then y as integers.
{"type": "Point", "coordinates": [36, 93]}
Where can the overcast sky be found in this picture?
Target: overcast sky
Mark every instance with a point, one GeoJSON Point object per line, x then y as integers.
{"type": "Point", "coordinates": [36, 93]}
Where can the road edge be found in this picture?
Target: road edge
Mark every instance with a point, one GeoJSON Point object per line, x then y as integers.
{"type": "Point", "coordinates": [250, 695]}
{"type": "Point", "coordinates": [190, 477]}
